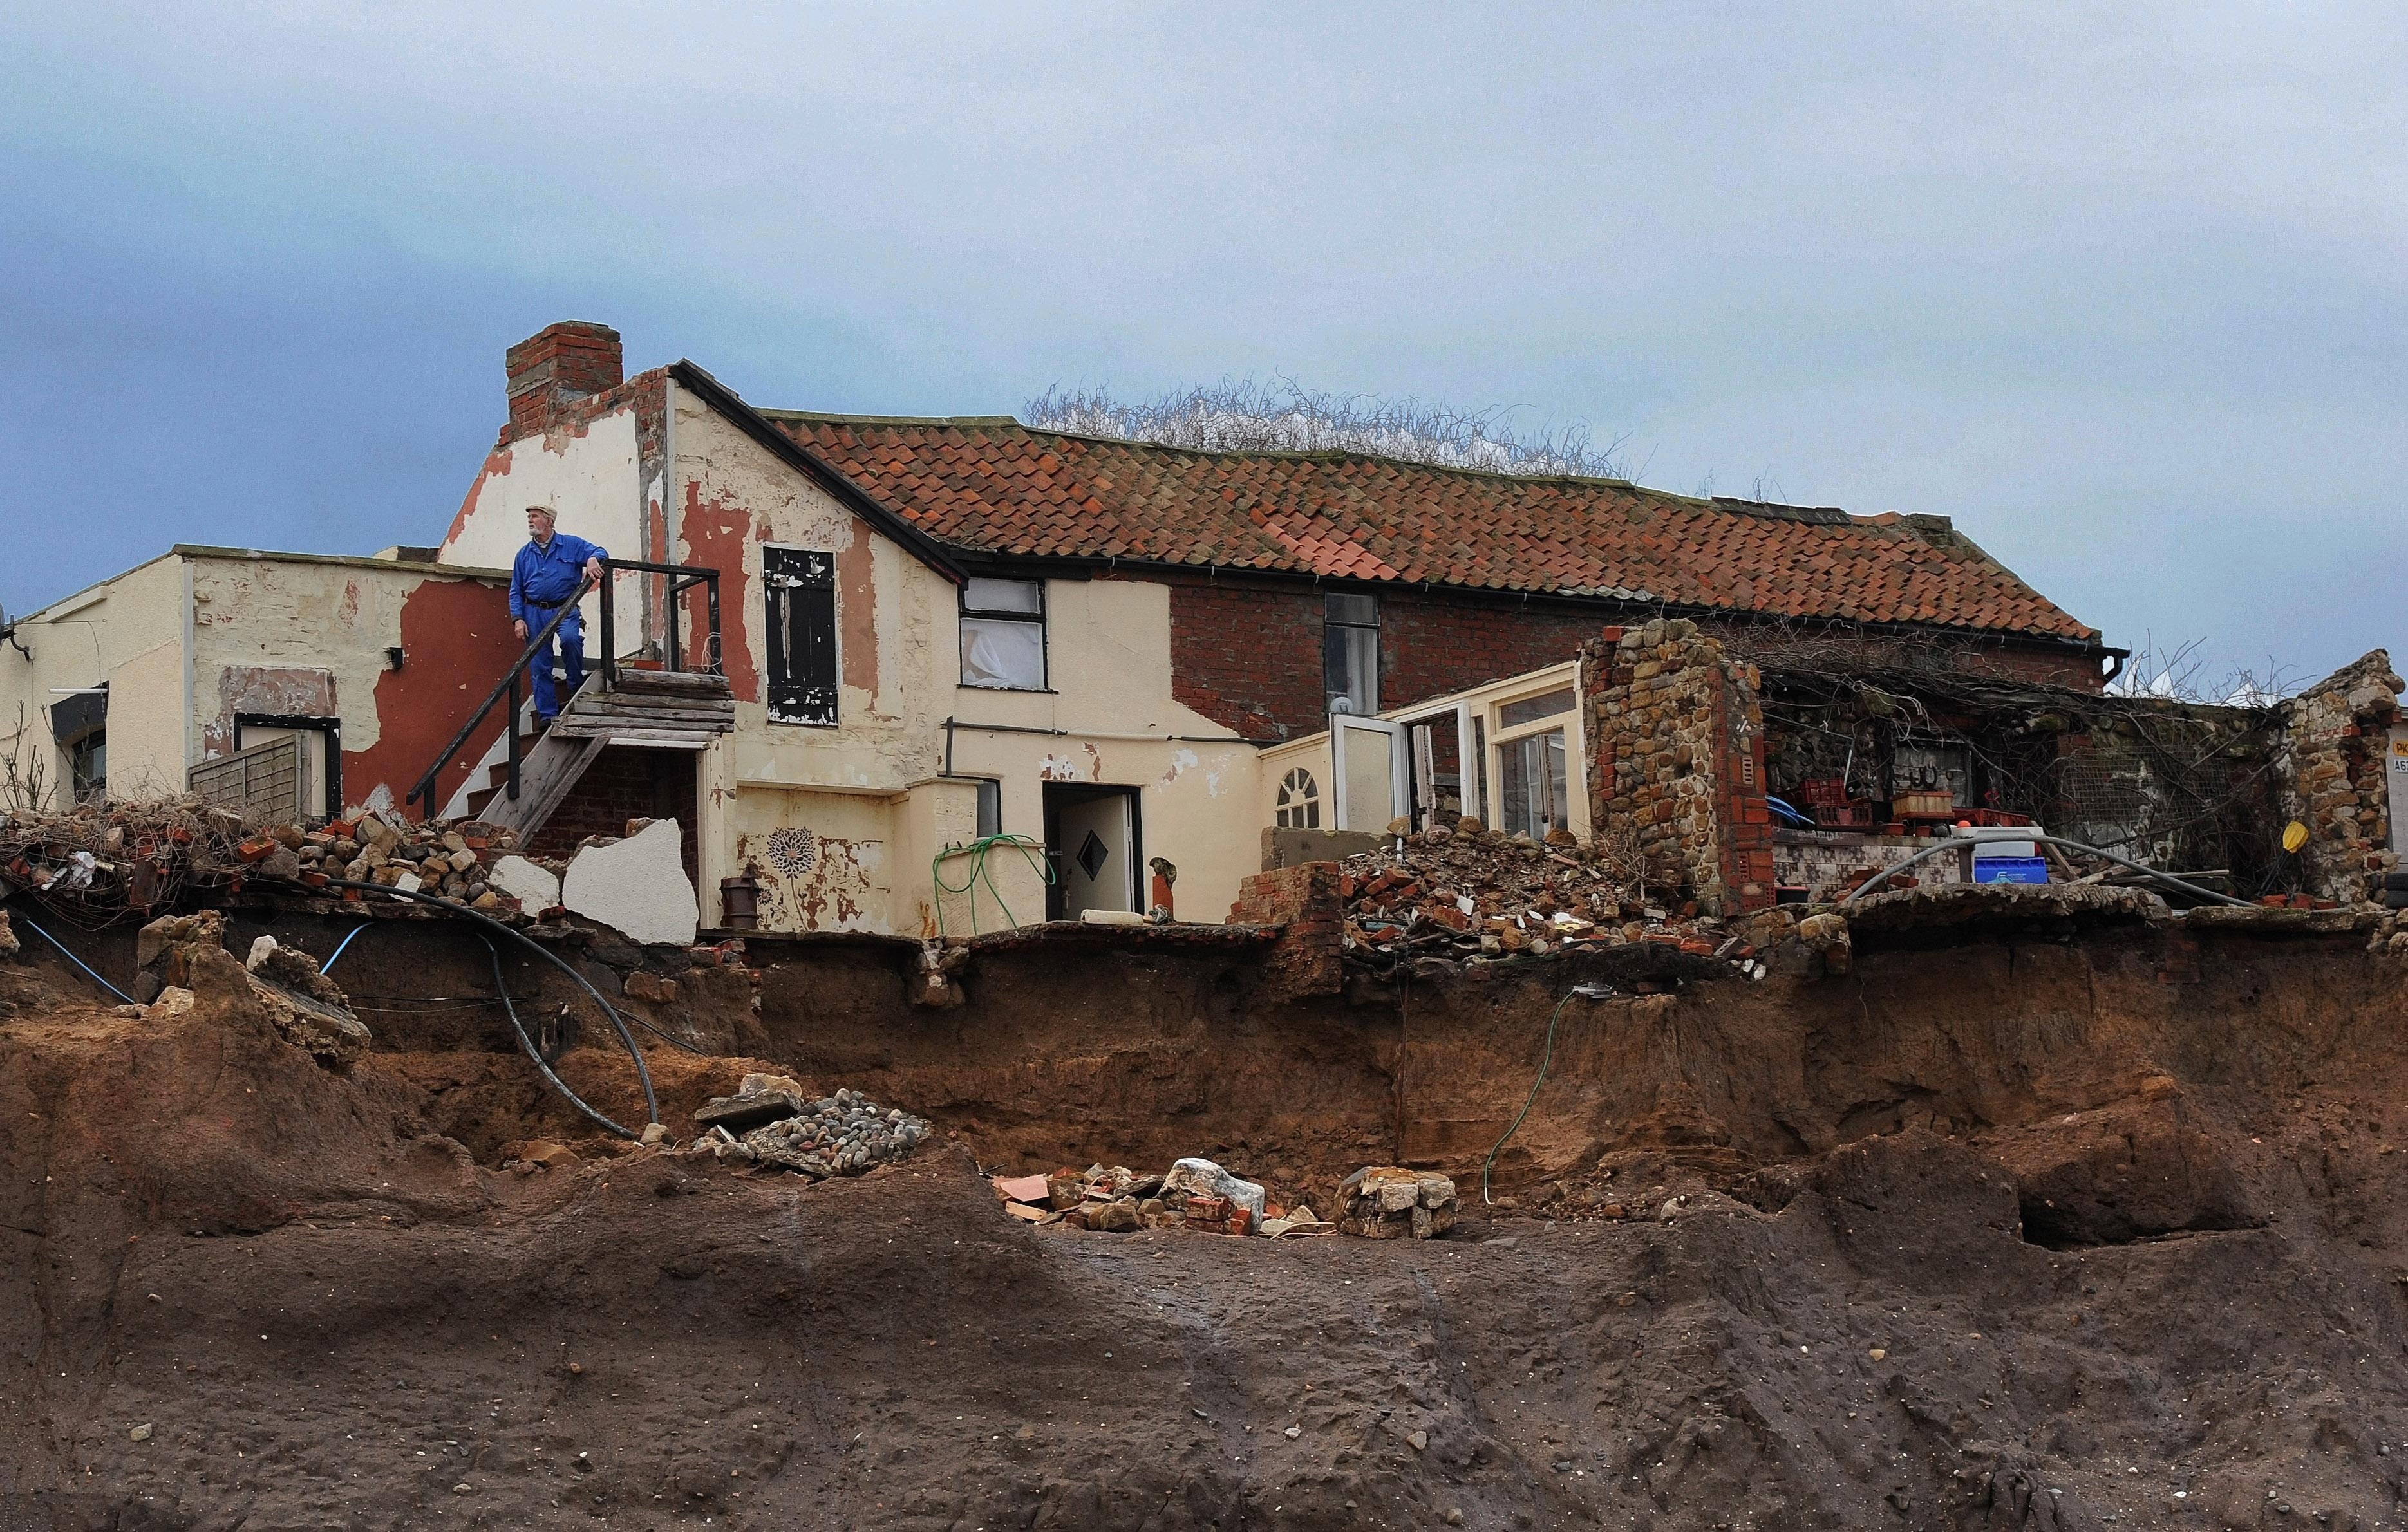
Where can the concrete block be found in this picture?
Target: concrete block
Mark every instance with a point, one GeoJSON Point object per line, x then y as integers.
{"type": "Point", "coordinates": [637, 886]}
{"type": "Point", "coordinates": [530, 884]}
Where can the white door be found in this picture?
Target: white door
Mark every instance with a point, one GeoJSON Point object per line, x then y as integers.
{"type": "Point", "coordinates": [1368, 759]}
{"type": "Point", "coordinates": [1099, 868]}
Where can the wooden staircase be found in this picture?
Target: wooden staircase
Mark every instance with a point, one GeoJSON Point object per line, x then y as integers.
{"type": "Point", "coordinates": [523, 776]}
{"type": "Point", "coordinates": [654, 709]}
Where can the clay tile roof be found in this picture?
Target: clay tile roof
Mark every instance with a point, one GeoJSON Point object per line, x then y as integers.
{"type": "Point", "coordinates": [993, 485]}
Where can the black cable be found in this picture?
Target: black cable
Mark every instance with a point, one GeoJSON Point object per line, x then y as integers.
{"type": "Point", "coordinates": [627, 1039]}
{"type": "Point", "coordinates": [536, 1054]}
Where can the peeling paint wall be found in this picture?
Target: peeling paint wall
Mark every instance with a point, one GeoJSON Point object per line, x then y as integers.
{"type": "Point", "coordinates": [601, 466]}
{"type": "Point", "coordinates": [822, 859]}
{"type": "Point", "coordinates": [899, 654]}
{"type": "Point", "coordinates": [291, 636]}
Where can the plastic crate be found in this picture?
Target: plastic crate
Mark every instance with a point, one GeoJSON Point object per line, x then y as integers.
{"type": "Point", "coordinates": [2011, 869]}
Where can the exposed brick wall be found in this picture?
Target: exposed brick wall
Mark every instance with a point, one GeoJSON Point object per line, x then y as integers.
{"type": "Point", "coordinates": [558, 364]}
{"type": "Point", "coordinates": [1248, 655]}
{"type": "Point", "coordinates": [1676, 770]}
{"type": "Point", "coordinates": [1305, 900]}
{"type": "Point", "coordinates": [624, 782]}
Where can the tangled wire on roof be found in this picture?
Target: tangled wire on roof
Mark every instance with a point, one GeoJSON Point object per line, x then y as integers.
{"type": "Point", "coordinates": [95, 865]}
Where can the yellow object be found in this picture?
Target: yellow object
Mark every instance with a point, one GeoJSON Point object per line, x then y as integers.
{"type": "Point", "coordinates": [2295, 834]}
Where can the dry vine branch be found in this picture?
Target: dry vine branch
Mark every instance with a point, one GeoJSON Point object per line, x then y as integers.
{"type": "Point", "coordinates": [1242, 414]}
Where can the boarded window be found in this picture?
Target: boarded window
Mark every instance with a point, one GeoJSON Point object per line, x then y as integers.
{"type": "Point", "coordinates": [800, 592]}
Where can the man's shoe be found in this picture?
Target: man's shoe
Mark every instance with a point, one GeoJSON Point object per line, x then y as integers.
{"type": "Point", "coordinates": [543, 722]}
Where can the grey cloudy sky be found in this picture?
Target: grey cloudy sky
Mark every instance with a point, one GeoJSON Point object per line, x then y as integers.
{"type": "Point", "coordinates": [2119, 288]}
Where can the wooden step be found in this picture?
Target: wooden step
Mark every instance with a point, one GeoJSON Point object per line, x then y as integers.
{"type": "Point", "coordinates": [671, 683]}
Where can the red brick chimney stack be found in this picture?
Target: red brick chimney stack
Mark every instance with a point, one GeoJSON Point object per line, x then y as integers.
{"type": "Point", "coordinates": [559, 365]}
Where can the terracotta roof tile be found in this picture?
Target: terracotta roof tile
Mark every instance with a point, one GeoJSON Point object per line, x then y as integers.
{"type": "Point", "coordinates": [996, 486]}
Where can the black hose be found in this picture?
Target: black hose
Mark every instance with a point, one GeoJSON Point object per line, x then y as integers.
{"type": "Point", "coordinates": [536, 1054]}
{"type": "Point", "coordinates": [643, 1075]}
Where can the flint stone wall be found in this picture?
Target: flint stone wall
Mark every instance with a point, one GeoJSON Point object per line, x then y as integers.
{"type": "Point", "coordinates": [1675, 731]}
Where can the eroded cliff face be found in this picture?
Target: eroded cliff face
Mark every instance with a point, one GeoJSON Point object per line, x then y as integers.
{"type": "Point", "coordinates": [2043, 1224]}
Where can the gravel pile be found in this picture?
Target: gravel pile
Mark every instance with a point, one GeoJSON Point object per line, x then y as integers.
{"type": "Point", "coordinates": [839, 1134]}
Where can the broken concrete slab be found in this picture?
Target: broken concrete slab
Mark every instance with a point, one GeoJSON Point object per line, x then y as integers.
{"type": "Point", "coordinates": [637, 886]}
{"type": "Point", "coordinates": [1202, 1178]}
{"type": "Point", "coordinates": [752, 1109]}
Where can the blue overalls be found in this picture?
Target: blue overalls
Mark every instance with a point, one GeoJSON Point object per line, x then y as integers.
{"type": "Point", "coordinates": [543, 577]}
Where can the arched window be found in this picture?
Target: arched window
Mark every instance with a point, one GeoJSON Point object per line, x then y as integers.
{"type": "Point", "coordinates": [1300, 802]}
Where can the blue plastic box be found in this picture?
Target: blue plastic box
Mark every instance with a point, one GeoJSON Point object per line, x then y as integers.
{"type": "Point", "coordinates": [2010, 869]}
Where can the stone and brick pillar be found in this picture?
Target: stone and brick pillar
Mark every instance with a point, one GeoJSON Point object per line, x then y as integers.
{"type": "Point", "coordinates": [2331, 764]}
{"type": "Point", "coordinates": [1675, 732]}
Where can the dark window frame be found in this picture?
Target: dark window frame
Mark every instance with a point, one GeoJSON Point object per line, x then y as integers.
{"type": "Point", "coordinates": [812, 700]}
{"type": "Point", "coordinates": [330, 726]}
{"type": "Point", "coordinates": [1331, 625]}
{"type": "Point", "coordinates": [1041, 617]}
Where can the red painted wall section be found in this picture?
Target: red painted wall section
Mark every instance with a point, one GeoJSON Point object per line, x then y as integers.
{"type": "Point", "coordinates": [717, 535]}
{"type": "Point", "coordinates": [456, 642]}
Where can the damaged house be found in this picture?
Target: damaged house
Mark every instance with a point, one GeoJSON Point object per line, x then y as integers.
{"type": "Point", "coordinates": [911, 675]}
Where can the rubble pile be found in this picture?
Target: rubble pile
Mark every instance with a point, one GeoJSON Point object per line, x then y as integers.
{"type": "Point", "coordinates": [179, 955]}
{"type": "Point", "coordinates": [1390, 1202]}
{"type": "Point", "coordinates": [449, 862]}
{"type": "Point", "coordinates": [768, 1122]}
{"type": "Point", "coordinates": [1194, 1195]}
{"type": "Point", "coordinates": [1470, 892]}
{"type": "Point", "coordinates": [105, 860]}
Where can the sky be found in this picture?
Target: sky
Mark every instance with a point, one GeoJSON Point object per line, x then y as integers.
{"type": "Point", "coordinates": [2121, 289]}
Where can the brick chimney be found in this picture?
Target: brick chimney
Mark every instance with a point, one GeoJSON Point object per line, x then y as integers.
{"type": "Point", "coordinates": [559, 365]}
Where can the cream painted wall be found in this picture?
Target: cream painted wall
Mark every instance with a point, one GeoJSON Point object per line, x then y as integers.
{"type": "Point", "coordinates": [1108, 659]}
{"type": "Point", "coordinates": [127, 632]}
{"type": "Point", "coordinates": [590, 479]}
{"type": "Point", "coordinates": [282, 614]}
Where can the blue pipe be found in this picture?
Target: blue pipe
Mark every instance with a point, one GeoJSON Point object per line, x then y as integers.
{"type": "Point", "coordinates": [355, 930]}
{"type": "Point", "coordinates": [76, 961]}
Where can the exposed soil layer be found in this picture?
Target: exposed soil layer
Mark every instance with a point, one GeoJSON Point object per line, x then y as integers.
{"type": "Point", "coordinates": [2017, 1225]}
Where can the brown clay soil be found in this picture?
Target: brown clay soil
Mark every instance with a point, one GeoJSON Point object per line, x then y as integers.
{"type": "Point", "coordinates": [2053, 1228]}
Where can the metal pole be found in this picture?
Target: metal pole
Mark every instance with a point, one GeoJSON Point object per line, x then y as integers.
{"type": "Point", "coordinates": [512, 725]}
{"type": "Point", "coordinates": [711, 597]}
{"type": "Point", "coordinates": [609, 633]}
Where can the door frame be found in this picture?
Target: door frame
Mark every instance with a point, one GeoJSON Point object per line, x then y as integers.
{"type": "Point", "coordinates": [331, 727]}
{"type": "Point", "coordinates": [1055, 794]}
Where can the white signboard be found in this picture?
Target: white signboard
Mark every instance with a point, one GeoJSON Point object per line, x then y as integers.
{"type": "Point", "coordinates": [2396, 778]}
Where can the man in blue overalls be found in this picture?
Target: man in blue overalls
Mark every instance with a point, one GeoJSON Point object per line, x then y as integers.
{"type": "Point", "coordinates": [543, 577]}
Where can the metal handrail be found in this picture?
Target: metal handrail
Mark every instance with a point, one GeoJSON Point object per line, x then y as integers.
{"type": "Point", "coordinates": [694, 574]}
{"type": "Point", "coordinates": [423, 794]}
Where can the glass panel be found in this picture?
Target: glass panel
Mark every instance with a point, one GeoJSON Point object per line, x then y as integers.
{"type": "Point", "coordinates": [1350, 668]}
{"type": "Point", "coordinates": [990, 808]}
{"type": "Point", "coordinates": [1002, 595]}
{"type": "Point", "coordinates": [1533, 785]}
{"type": "Point", "coordinates": [1370, 785]}
{"type": "Point", "coordinates": [1363, 610]}
{"type": "Point", "coordinates": [1530, 709]}
{"type": "Point", "coordinates": [1003, 653]}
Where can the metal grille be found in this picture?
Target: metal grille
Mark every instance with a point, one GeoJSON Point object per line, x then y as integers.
{"type": "Point", "coordinates": [262, 783]}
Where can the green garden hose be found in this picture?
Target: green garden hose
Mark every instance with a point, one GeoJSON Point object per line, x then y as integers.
{"type": "Point", "coordinates": [1586, 992]}
{"type": "Point", "coordinates": [976, 851]}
